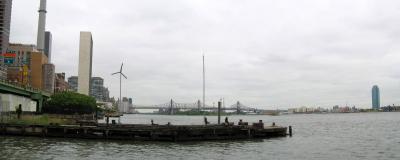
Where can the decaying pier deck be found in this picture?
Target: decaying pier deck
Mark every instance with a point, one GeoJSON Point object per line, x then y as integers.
{"type": "Point", "coordinates": [147, 132]}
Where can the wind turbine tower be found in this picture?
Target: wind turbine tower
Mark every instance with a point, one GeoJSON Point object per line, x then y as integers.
{"type": "Point", "coordinates": [120, 81]}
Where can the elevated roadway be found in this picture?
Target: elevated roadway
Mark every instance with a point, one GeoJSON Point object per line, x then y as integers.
{"type": "Point", "coordinates": [29, 92]}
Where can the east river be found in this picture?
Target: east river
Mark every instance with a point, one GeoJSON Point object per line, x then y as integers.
{"type": "Point", "coordinates": [316, 136]}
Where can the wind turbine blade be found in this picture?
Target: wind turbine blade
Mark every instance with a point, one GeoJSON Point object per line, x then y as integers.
{"type": "Point", "coordinates": [115, 73]}
{"type": "Point", "coordinates": [120, 70]}
{"type": "Point", "coordinates": [124, 75]}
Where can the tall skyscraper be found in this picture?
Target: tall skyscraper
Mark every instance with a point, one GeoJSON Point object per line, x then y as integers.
{"type": "Point", "coordinates": [5, 20]}
{"type": "Point", "coordinates": [41, 25]}
{"type": "Point", "coordinates": [47, 45]}
{"type": "Point", "coordinates": [85, 62]}
{"type": "Point", "coordinates": [376, 102]}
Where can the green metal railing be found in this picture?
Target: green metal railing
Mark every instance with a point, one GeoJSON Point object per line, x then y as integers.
{"type": "Point", "coordinates": [24, 87]}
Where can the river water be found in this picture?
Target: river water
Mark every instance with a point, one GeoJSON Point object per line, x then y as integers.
{"type": "Point", "coordinates": [316, 136]}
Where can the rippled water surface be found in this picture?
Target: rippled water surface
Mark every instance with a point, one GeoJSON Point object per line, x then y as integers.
{"type": "Point", "coordinates": [316, 136]}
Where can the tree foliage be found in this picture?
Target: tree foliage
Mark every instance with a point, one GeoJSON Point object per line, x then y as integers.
{"type": "Point", "coordinates": [70, 103]}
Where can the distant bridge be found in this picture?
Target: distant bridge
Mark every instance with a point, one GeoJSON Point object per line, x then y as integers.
{"type": "Point", "coordinates": [29, 92]}
{"type": "Point", "coordinates": [173, 106]}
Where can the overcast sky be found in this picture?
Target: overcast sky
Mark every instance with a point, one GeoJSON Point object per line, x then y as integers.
{"type": "Point", "coordinates": [269, 53]}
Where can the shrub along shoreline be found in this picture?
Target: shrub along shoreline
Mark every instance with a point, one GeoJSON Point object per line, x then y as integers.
{"type": "Point", "coordinates": [69, 103]}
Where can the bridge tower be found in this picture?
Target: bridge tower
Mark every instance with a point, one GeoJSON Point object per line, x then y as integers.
{"type": "Point", "coordinates": [171, 107]}
{"type": "Point", "coordinates": [199, 105]}
{"type": "Point", "coordinates": [237, 107]}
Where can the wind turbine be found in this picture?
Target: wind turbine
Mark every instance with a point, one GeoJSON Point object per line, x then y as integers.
{"type": "Point", "coordinates": [120, 80]}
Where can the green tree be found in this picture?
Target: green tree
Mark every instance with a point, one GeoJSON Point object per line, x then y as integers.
{"type": "Point", "coordinates": [70, 103]}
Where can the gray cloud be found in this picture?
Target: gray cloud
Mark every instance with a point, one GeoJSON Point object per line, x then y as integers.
{"type": "Point", "coordinates": [265, 53]}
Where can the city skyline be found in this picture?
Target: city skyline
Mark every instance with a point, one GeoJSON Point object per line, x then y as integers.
{"type": "Point", "coordinates": [321, 55]}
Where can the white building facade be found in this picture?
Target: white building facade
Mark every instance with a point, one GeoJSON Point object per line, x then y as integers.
{"type": "Point", "coordinates": [9, 103]}
{"type": "Point", "coordinates": [85, 62]}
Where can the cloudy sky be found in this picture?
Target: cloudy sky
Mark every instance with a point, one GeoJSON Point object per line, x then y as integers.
{"type": "Point", "coordinates": [269, 53]}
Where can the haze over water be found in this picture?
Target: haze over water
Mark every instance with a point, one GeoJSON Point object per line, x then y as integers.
{"type": "Point", "coordinates": [316, 136]}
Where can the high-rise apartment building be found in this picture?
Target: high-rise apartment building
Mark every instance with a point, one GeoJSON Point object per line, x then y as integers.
{"type": "Point", "coordinates": [73, 83]}
{"type": "Point", "coordinates": [5, 21]}
{"type": "Point", "coordinates": [130, 100]}
{"type": "Point", "coordinates": [97, 89]}
{"type": "Point", "coordinates": [97, 86]}
{"type": "Point", "coordinates": [85, 62]}
{"type": "Point", "coordinates": [18, 62]}
{"type": "Point", "coordinates": [376, 102]}
{"type": "Point", "coordinates": [126, 106]}
{"type": "Point", "coordinates": [123, 107]}
{"type": "Point", "coordinates": [60, 84]}
{"type": "Point", "coordinates": [19, 54]}
{"type": "Point", "coordinates": [106, 95]}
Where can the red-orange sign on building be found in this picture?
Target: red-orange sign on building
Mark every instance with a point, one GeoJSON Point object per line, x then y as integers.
{"type": "Point", "coordinates": [9, 54]}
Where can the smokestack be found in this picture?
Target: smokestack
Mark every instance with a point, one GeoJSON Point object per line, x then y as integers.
{"type": "Point", "coordinates": [41, 25]}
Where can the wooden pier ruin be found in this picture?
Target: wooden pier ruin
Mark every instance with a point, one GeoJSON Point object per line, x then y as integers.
{"type": "Point", "coordinates": [151, 132]}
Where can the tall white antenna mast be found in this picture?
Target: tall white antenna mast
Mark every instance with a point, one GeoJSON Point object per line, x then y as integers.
{"type": "Point", "coordinates": [204, 84]}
